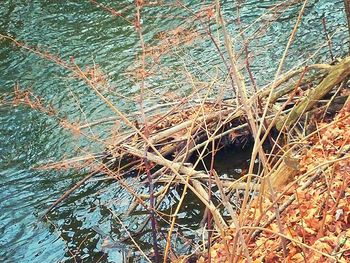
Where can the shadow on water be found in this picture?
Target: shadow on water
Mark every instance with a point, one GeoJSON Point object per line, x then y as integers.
{"type": "Point", "coordinates": [231, 160]}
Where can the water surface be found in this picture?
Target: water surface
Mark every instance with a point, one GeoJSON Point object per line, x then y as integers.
{"type": "Point", "coordinates": [92, 37]}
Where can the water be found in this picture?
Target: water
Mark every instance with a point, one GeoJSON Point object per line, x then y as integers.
{"type": "Point", "coordinates": [95, 38]}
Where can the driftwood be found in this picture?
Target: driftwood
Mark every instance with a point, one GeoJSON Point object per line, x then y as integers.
{"type": "Point", "coordinates": [174, 139]}
{"type": "Point", "coordinates": [173, 135]}
{"type": "Point", "coordinates": [284, 173]}
{"type": "Point", "coordinates": [337, 74]}
{"type": "Point", "coordinates": [178, 134]}
{"type": "Point", "coordinates": [174, 142]}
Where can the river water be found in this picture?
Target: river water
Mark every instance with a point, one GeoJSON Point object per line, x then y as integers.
{"type": "Point", "coordinates": [94, 38]}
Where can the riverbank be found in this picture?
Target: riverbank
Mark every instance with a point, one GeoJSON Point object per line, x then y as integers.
{"type": "Point", "coordinates": [313, 219]}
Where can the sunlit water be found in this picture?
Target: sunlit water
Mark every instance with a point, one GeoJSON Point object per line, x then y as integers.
{"type": "Point", "coordinates": [90, 35]}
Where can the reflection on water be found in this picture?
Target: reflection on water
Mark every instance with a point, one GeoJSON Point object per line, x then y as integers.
{"type": "Point", "coordinates": [90, 35]}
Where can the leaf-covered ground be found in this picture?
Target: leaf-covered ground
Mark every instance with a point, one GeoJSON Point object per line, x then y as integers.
{"type": "Point", "coordinates": [315, 224]}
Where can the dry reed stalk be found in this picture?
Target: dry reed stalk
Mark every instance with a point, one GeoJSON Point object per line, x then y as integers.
{"type": "Point", "coordinates": [167, 247]}
{"type": "Point", "coordinates": [258, 143]}
{"type": "Point", "coordinates": [347, 13]}
{"type": "Point", "coordinates": [138, 27]}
